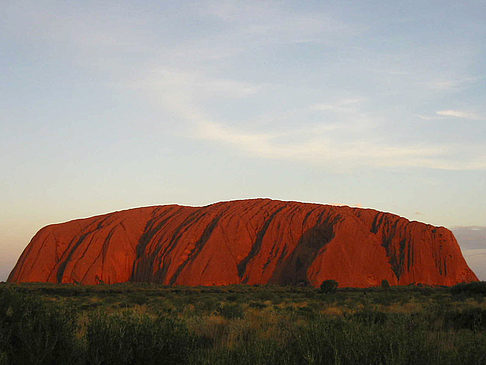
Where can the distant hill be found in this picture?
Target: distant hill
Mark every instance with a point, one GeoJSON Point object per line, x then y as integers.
{"type": "Point", "coordinates": [254, 241]}
{"type": "Point", "coordinates": [473, 243]}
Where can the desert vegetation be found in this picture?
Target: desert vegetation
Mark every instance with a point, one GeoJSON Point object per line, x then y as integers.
{"type": "Point", "coordinates": [153, 324]}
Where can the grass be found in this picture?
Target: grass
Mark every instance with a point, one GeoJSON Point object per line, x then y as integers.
{"type": "Point", "coordinates": [153, 324]}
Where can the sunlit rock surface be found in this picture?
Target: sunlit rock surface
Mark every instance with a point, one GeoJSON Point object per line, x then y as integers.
{"type": "Point", "coordinates": [254, 241]}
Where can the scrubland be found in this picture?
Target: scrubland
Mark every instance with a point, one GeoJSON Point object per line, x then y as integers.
{"type": "Point", "coordinates": [153, 324]}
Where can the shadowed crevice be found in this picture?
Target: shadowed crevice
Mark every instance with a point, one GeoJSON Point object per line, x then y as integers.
{"type": "Point", "coordinates": [257, 245]}
{"type": "Point", "coordinates": [99, 225]}
{"type": "Point", "coordinates": [62, 266]}
{"type": "Point", "coordinates": [396, 259]}
{"type": "Point", "coordinates": [377, 221]}
{"type": "Point", "coordinates": [293, 270]}
{"type": "Point", "coordinates": [101, 256]}
{"type": "Point", "coordinates": [144, 263]}
{"type": "Point", "coordinates": [198, 246]}
{"type": "Point", "coordinates": [162, 255]}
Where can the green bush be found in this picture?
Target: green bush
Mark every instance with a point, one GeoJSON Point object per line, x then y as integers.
{"type": "Point", "coordinates": [230, 310]}
{"type": "Point", "coordinates": [257, 305]}
{"type": "Point", "coordinates": [254, 351]}
{"type": "Point", "coordinates": [369, 317]}
{"type": "Point", "coordinates": [3, 358]}
{"type": "Point", "coordinates": [399, 340]}
{"type": "Point", "coordinates": [133, 338]}
{"type": "Point", "coordinates": [35, 332]}
{"type": "Point", "coordinates": [137, 298]}
{"type": "Point", "coordinates": [470, 318]}
{"type": "Point", "coordinates": [329, 286]}
{"type": "Point", "coordinates": [474, 288]}
{"type": "Point", "coordinates": [206, 305]}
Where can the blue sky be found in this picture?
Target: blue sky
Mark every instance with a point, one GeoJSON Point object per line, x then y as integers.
{"type": "Point", "coordinates": [111, 105]}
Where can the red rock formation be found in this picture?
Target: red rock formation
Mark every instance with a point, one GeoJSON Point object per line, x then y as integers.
{"type": "Point", "coordinates": [249, 241]}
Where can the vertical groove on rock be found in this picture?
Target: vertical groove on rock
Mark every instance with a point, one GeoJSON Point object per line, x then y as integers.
{"type": "Point", "coordinates": [62, 266]}
{"type": "Point", "coordinates": [294, 269]}
{"type": "Point", "coordinates": [197, 249]}
{"type": "Point", "coordinates": [255, 248]}
{"type": "Point", "coordinates": [162, 254]}
{"type": "Point", "coordinates": [144, 263]}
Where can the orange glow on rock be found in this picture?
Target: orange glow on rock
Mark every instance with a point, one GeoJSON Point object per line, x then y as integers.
{"type": "Point", "coordinates": [254, 241]}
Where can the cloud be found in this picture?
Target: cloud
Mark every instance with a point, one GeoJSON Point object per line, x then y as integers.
{"type": "Point", "coordinates": [453, 84]}
{"type": "Point", "coordinates": [445, 114]}
{"type": "Point", "coordinates": [269, 22]}
{"type": "Point", "coordinates": [443, 85]}
{"type": "Point", "coordinates": [196, 85]}
{"type": "Point", "coordinates": [458, 114]}
{"type": "Point", "coordinates": [337, 154]}
{"type": "Point", "coordinates": [181, 92]}
{"type": "Point", "coordinates": [345, 140]}
{"type": "Point", "coordinates": [189, 80]}
{"type": "Point", "coordinates": [427, 117]}
{"type": "Point", "coordinates": [342, 105]}
{"type": "Point", "coordinates": [219, 86]}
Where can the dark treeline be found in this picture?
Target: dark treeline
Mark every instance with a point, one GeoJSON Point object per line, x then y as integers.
{"type": "Point", "coordinates": [146, 324]}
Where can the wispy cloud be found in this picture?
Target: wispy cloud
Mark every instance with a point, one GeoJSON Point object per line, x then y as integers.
{"type": "Point", "coordinates": [183, 94]}
{"type": "Point", "coordinates": [335, 154]}
{"type": "Point", "coordinates": [428, 117]}
{"type": "Point", "coordinates": [338, 133]}
{"type": "Point", "coordinates": [180, 90]}
{"type": "Point", "coordinates": [458, 114]}
{"type": "Point", "coordinates": [453, 84]}
{"type": "Point", "coordinates": [340, 105]}
{"type": "Point", "coordinates": [269, 22]}
{"type": "Point", "coordinates": [449, 113]}
{"type": "Point", "coordinates": [317, 149]}
{"type": "Point", "coordinates": [202, 86]}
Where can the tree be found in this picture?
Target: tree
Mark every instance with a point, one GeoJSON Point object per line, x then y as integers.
{"type": "Point", "coordinates": [329, 286]}
{"type": "Point", "coordinates": [385, 284]}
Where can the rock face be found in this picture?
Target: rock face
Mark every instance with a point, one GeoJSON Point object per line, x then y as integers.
{"type": "Point", "coordinates": [253, 241]}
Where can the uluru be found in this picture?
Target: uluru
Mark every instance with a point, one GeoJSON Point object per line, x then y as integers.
{"type": "Point", "coordinates": [254, 241]}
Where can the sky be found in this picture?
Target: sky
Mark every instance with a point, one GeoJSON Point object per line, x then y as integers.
{"type": "Point", "coordinates": [108, 105]}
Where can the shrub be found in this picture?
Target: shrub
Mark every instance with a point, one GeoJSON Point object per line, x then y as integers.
{"type": "Point", "coordinates": [340, 341]}
{"type": "Point", "coordinates": [206, 304]}
{"type": "Point", "coordinates": [385, 284]}
{"type": "Point", "coordinates": [257, 305]}
{"type": "Point", "coordinates": [477, 287]}
{"type": "Point", "coordinates": [3, 358]}
{"type": "Point", "coordinates": [329, 286]}
{"type": "Point", "coordinates": [134, 338]}
{"type": "Point", "coordinates": [230, 310]}
{"type": "Point", "coordinates": [470, 318]}
{"type": "Point", "coordinates": [35, 332]}
{"type": "Point", "coordinates": [137, 298]}
{"type": "Point", "coordinates": [369, 316]}
{"type": "Point", "coordinates": [232, 298]}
